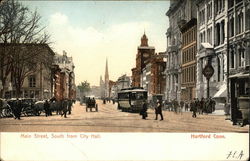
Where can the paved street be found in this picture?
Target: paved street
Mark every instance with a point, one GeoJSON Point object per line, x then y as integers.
{"type": "Point", "coordinates": [109, 119]}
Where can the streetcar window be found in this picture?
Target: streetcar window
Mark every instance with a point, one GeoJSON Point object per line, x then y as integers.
{"type": "Point", "coordinates": [123, 95]}
{"type": "Point", "coordinates": [139, 96]}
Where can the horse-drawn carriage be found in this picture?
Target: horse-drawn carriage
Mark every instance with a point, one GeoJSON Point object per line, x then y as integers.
{"type": "Point", "coordinates": [91, 103]}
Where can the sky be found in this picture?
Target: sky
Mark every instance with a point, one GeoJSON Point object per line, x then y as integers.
{"type": "Point", "coordinates": [93, 31]}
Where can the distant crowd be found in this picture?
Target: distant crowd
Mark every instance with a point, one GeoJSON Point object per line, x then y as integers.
{"type": "Point", "coordinates": [204, 105]}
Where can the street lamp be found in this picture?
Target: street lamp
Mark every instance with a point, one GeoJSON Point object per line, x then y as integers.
{"type": "Point", "coordinates": [208, 72]}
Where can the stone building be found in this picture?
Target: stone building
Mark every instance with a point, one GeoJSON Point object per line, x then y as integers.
{"type": "Point", "coordinates": [180, 12]}
{"type": "Point", "coordinates": [123, 81]}
{"type": "Point", "coordinates": [36, 60]}
{"type": "Point", "coordinates": [212, 48]}
{"type": "Point", "coordinates": [102, 88]}
{"type": "Point", "coordinates": [143, 56]}
{"type": "Point", "coordinates": [238, 55]}
{"type": "Point", "coordinates": [188, 66]}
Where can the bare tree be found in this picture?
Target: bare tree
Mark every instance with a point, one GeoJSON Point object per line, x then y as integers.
{"type": "Point", "coordinates": [18, 25]}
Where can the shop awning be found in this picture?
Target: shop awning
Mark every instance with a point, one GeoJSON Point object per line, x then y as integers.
{"type": "Point", "coordinates": [240, 75]}
{"type": "Point", "coordinates": [222, 92]}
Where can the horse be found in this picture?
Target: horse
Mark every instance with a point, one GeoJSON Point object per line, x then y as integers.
{"type": "Point", "coordinates": [61, 107]}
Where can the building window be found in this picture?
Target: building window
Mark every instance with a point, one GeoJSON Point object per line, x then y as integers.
{"type": "Point", "coordinates": [209, 11]}
{"type": "Point", "coordinates": [219, 66]}
{"type": "Point", "coordinates": [32, 81]}
{"type": "Point", "coordinates": [232, 59]}
{"type": "Point", "coordinates": [238, 1]}
{"type": "Point", "coordinates": [231, 27]}
{"type": "Point", "coordinates": [240, 22]}
{"type": "Point", "coordinates": [230, 3]}
{"type": "Point", "coordinates": [217, 35]}
{"type": "Point", "coordinates": [241, 58]}
{"type": "Point", "coordinates": [247, 19]}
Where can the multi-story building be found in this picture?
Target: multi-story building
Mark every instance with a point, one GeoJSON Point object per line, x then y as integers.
{"type": "Point", "coordinates": [153, 75]}
{"type": "Point", "coordinates": [238, 56]}
{"type": "Point", "coordinates": [143, 56]}
{"type": "Point", "coordinates": [158, 79]}
{"type": "Point", "coordinates": [188, 66]}
{"type": "Point", "coordinates": [146, 78]}
{"type": "Point", "coordinates": [65, 87]}
{"type": "Point", "coordinates": [212, 48]}
{"type": "Point", "coordinates": [34, 73]}
{"type": "Point", "coordinates": [123, 81]}
{"type": "Point", "coordinates": [135, 77]}
{"type": "Point", "coordinates": [180, 12]}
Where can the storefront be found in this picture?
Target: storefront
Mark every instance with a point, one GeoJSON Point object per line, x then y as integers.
{"type": "Point", "coordinates": [239, 97]}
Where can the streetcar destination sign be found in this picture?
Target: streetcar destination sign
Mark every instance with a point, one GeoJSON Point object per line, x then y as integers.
{"type": "Point", "coordinates": [208, 71]}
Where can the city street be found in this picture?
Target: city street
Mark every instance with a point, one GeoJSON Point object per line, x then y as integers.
{"type": "Point", "coordinates": [109, 119]}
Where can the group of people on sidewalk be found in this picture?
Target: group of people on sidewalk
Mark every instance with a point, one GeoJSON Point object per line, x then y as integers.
{"type": "Point", "coordinates": [158, 110]}
{"type": "Point", "coordinates": [205, 105]}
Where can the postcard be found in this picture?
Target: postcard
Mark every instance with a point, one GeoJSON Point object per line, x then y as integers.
{"type": "Point", "coordinates": [124, 80]}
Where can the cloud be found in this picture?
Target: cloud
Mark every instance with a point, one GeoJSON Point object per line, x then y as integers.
{"type": "Point", "coordinates": [90, 47]}
{"type": "Point", "coordinates": [58, 19]}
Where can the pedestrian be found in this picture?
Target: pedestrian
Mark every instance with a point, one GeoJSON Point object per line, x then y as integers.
{"type": "Point", "coordinates": [13, 108]}
{"type": "Point", "coordinates": [182, 104]}
{"type": "Point", "coordinates": [18, 109]}
{"type": "Point", "coordinates": [213, 103]}
{"type": "Point", "coordinates": [202, 104]}
{"type": "Point", "coordinates": [64, 108]}
{"type": "Point", "coordinates": [175, 104]}
{"type": "Point", "coordinates": [193, 108]}
{"type": "Point", "coordinates": [144, 111]}
{"type": "Point", "coordinates": [69, 106]}
{"type": "Point", "coordinates": [158, 110]}
{"type": "Point", "coordinates": [46, 108]}
{"type": "Point", "coordinates": [186, 106]}
{"type": "Point", "coordinates": [197, 104]}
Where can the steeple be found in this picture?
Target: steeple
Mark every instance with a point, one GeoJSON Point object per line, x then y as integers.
{"type": "Point", "coordinates": [106, 72]}
{"type": "Point", "coordinates": [144, 40]}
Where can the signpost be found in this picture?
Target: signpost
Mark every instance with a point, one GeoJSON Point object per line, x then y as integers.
{"type": "Point", "coordinates": [208, 72]}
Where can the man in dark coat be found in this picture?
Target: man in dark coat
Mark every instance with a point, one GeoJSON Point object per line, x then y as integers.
{"type": "Point", "coordinates": [64, 106]}
{"type": "Point", "coordinates": [46, 108]}
{"type": "Point", "coordinates": [193, 108]}
{"type": "Point", "coordinates": [144, 111]}
{"type": "Point", "coordinates": [182, 104]}
{"type": "Point", "coordinates": [158, 110]}
{"type": "Point", "coordinates": [18, 109]}
{"type": "Point", "coordinates": [70, 106]}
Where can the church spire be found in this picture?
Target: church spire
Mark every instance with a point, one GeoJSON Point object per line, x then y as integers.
{"type": "Point", "coordinates": [106, 72]}
{"type": "Point", "coordinates": [144, 40]}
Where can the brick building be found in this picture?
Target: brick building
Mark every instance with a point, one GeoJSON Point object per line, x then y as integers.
{"type": "Point", "coordinates": [143, 56]}
{"type": "Point", "coordinates": [188, 66]}
{"type": "Point", "coordinates": [158, 77]}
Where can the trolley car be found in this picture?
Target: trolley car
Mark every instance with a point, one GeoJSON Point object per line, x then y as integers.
{"type": "Point", "coordinates": [132, 99]}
